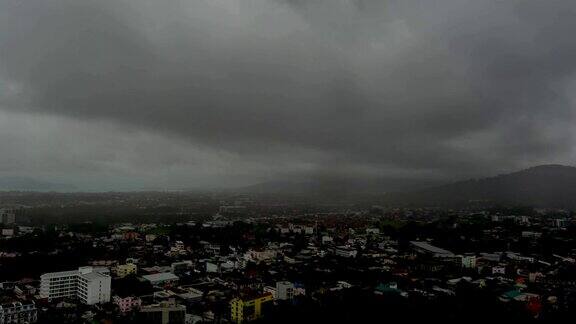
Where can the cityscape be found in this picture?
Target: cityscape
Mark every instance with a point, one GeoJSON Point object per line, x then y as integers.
{"type": "Point", "coordinates": [287, 161]}
{"type": "Point", "coordinates": [239, 258]}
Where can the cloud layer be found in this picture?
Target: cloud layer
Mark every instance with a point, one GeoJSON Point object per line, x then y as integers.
{"type": "Point", "coordinates": [235, 91]}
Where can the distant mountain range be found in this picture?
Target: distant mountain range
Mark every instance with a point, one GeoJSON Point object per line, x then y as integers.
{"type": "Point", "coordinates": [540, 186]}
{"type": "Point", "coordinates": [341, 186]}
{"type": "Point", "coordinates": [28, 184]}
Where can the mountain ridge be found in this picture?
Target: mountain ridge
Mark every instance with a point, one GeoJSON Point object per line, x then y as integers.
{"type": "Point", "coordinates": [13, 183]}
{"type": "Point", "coordinates": [549, 185]}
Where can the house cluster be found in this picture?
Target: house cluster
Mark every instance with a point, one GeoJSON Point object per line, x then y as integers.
{"type": "Point", "coordinates": [241, 270]}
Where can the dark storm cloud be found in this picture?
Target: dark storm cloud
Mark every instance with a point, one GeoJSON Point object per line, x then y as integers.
{"type": "Point", "coordinates": [448, 87]}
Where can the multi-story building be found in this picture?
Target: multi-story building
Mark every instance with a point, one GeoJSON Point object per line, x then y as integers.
{"type": "Point", "coordinates": [90, 285]}
{"type": "Point", "coordinates": [8, 232]}
{"type": "Point", "coordinates": [168, 312]}
{"type": "Point", "coordinates": [258, 256]}
{"type": "Point", "coordinates": [245, 309]}
{"type": "Point", "coordinates": [345, 251]}
{"type": "Point", "coordinates": [7, 216]}
{"type": "Point", "coordinates": [127, 304]}
{"type": "Point", "coordinates": [18, 313]}
{"type": "Point", "coordinates": [123, 270]}
{"type": "Point", "coordinates": [431, 250]}
{"type": "Point", "coordinates": [179, 268]}
{"type": "Point", "coordinates": [161, 279]}
{"type": "Point", "coordinates": [284, 290]}
{"type": "Point", "coordinates": [469, 261]}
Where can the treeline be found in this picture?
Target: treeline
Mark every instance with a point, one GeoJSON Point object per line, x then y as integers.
{"type": "Point", "coordinates": [111, 214]}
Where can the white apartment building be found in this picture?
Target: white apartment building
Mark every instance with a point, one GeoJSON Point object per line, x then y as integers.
{"type": "Point", "coordinates": [89, 284]}
{"type": "Point", "coordinates": [284, 290]}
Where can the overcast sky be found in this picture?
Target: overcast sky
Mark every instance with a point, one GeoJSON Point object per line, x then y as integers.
{"type": "Point", "coordinates": [132, 94]}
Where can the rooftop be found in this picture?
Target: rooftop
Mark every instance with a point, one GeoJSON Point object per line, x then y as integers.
{"type": "Point", "coordinates": [430, 248]}
{"type": "Point", "coordinates": [164, 276]}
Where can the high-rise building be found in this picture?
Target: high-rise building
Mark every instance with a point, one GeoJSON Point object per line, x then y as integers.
{"type": "Point", "coordinates": [90, 285]}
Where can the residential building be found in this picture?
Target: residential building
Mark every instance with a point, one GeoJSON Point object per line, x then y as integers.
{"type": "Point", "coordinates": [469, 261]}
{"type": "Point", "coordinates": [181, 267]}
{"type": "Point", "coordinates": [372, 231]}
{"type": "Point", "coordinates": [327, 239]}
{"type": "Point", "coordinates": [426, 248]}
{"type": "Point", "coordinates": [245, 309]}
{"type": "Point", "coordinates": [123, 270]}
{"type": "Point", "coordinates": [9, 232]}
{"type": "Point", "coordinates": [90, 285]}
{"type": "Point", "coordinates": [168, 312]}
{"type": "Point", "coordinates": [7, 216]}
{"type": "Point", "coordinates": [150, 237]}
{"type": "Point", "coordinates": [260, 255]}
{"type": "Point", "coordinates": [271, 290]}
{"type": "Point", "coordinates": [345, 251]}
{"type": "Point", "coordinates": [284, 290]}
{"type": "Point", "coordinates": [163, 278]}
{"type": "Point", "coordinates": [127, 304]}
{"type": "Point", "coordinates": [212, 267]}
{"type": "Point", "coordinates": [179, 245]}
{"type": "Point", "coordinates": [18, 313]}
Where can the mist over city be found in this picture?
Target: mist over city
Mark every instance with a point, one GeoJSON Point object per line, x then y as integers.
{"type": "Point", "coordinates": [273, 161]}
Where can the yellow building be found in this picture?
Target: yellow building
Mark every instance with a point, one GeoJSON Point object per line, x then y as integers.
{"type": "Point", "coordinates": [122, 270]}
{"type": "Point", "coordinates": [249, 309]}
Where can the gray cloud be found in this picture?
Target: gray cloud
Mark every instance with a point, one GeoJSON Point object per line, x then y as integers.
{"type": "Point", "coordinates": [446, 88]}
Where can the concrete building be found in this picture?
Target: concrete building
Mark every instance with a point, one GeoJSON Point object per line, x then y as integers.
{"type": "Point", "coordinates": [345, 251]}
{"type": "Point", "coordinates": [88, 284]}
{"type": "Point", "coordinates": [164, 313]}
{"type": "Point", "coordinates": [426, 248]}
{"type": "Point", "coordinates": [258, 256]}
{"type": "Point", "coordinates": [191, 295]}
{"type": "Point", "coordinates": [163, 278]}
{"type": "Point", "coordinates": [284, 290]}
{"type": "Point", "coordinates": [179, 268]}
{"type": "Point", "coordinates": [247, 309]}
{"type": "Point", "coordinates": [372, 231]}
{"type": "Point", "coordinates": [308, 230]}
{"type": "Point", "coordinates": [123, 270]}
{"type": "Point", "coordinates": [469, 261]}
{"type": "Point", "coordinates": [327, 239]}
{"type": "Point", "coordinates": [150, 237]}
{"type": "Point", "coordinates": [8, 232]}
{"type": "Point", "coordinates": [7, 216]}
{"type": "Point", "coordinates": [271, 290]}
{"type": "Point", "coordinates": [18, 313]}
{"type": "Point", "coordinates": [212, 267]}
{"type": "Point", "coordinates": [127, 304]}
